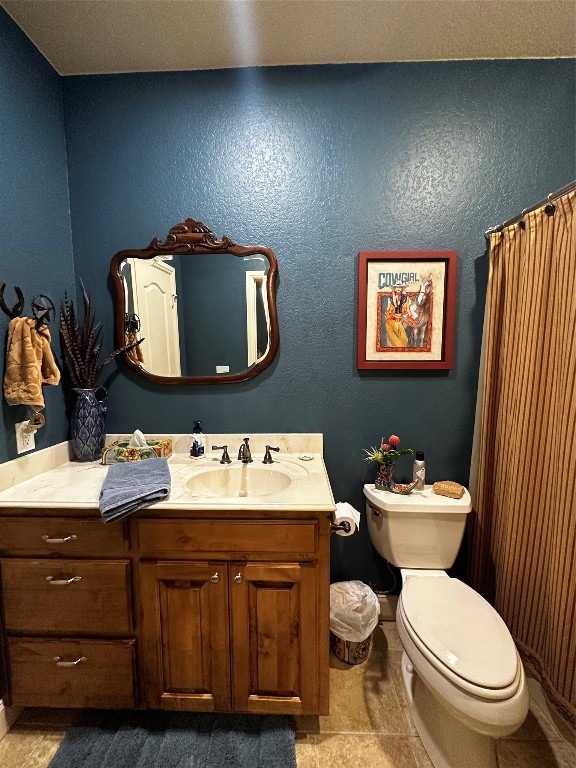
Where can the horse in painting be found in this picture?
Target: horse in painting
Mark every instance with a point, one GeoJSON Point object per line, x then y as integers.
{"type": "Point", "coordinates": [419, 314]}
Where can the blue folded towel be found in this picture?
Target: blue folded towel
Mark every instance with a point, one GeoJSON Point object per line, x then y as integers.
{"type": "Point", "coordinates": [133, 485]}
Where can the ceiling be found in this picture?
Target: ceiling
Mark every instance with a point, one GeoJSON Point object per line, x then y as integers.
{"type": "Point", "coordinates": [106, 36]}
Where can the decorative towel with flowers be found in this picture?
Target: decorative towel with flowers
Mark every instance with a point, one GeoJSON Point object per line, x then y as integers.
{"type": "Point", "coordinates": [385, 456]}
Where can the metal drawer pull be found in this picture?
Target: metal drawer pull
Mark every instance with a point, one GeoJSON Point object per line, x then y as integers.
{"type": "Point", "coordinates": [48, 540]}
{"type": "Point", "coordinates": [62, 582]}
{"type": "Point", "coordinates": [60, 663]}
{"type": "Point", "coordinates": [215, 578]}
{"type": "Point", "coordinates": [238, 578]}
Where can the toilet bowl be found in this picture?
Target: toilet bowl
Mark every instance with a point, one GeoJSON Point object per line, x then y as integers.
{"type": "Point", "coordinates": [462, 674]}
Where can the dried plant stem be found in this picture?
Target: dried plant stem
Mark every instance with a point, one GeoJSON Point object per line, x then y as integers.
{"type": "Point", "coordinates": [81, 345]}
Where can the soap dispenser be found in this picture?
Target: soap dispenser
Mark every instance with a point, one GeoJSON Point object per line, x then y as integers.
{"type": "Point", "coordinates": [198, 447]}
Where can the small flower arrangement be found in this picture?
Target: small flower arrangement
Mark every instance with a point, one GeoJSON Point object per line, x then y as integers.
{"type": "Point", "coordinates": [385, 456]}
{"type": "Point", "coordinates": [388, 452]}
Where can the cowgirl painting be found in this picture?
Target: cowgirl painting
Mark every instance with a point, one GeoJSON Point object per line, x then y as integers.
{"type": "Point", "coordinates": [397, 317]}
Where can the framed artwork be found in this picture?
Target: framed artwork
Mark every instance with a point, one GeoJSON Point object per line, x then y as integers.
{"type": "Point", "coordinates": [406, 309]}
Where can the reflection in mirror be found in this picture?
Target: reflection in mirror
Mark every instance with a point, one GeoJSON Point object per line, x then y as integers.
{"type": "Point", "coordinates": [257, 318]}
{"type": "Point", "coordinates": [197, 316]}
{"type": "Point", "coordinates": [205, 309]}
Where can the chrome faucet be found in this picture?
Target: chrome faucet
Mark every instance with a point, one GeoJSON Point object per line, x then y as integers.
{"type": "Point", "coordinates": [244, 454]}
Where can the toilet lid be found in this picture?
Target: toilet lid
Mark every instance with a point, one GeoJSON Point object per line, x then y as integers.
{"type": "Point", "coordinates": [461, 630]}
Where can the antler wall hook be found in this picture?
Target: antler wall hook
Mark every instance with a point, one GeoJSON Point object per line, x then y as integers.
{"type": "Point", "coordinates": [17, 308]}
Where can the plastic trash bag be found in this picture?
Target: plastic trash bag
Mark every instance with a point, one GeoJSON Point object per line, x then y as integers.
{"type": "Point", "coordinates": [354, 610]}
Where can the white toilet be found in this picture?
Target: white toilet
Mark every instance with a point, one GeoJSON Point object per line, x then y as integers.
{"type": "Point", "coordinates": [463, 677]}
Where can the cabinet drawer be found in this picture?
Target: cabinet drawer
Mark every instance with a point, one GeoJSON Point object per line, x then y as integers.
{"type": "Point", "coordinates": [226, 536]}
{"type": "Point", "coordinates": [65, 536]}
{"type": "Point", "coordinates": [66, 596]}
{"type": "Point", "coordinates": [72, 673]}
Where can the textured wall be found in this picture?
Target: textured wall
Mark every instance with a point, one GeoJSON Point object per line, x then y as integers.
{"type": "Point", "coordinates": [36, 241]}
{"type": "Point", "coordinates": [320, 163]}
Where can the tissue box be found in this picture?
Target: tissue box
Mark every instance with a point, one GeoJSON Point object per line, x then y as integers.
{"type": "Point", "coordinates": [120, 451]}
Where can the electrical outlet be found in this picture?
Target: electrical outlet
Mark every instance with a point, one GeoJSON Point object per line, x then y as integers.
{"type": "Point", "coordinates": [24, 440]}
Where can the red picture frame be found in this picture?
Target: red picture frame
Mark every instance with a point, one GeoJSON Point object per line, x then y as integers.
{"type": "Point", "coordinates": [406, 309]}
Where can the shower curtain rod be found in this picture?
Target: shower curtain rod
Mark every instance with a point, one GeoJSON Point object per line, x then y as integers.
{"type": "Point", "coordinates": [515, 219]}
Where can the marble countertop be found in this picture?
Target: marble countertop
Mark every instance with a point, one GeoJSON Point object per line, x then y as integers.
{"type": "Point", "coordinates": [65, 483]}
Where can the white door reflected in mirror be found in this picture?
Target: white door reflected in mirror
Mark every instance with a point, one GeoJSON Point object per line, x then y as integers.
{"type": "Point", "coordinates": [152, 296]}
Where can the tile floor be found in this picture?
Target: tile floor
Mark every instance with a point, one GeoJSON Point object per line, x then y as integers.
{"type": "Point", "coordinates": [368, 725]}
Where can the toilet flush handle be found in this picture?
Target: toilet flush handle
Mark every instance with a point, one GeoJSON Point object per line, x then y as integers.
{"type": "Point", "coordinates": [375, 511]}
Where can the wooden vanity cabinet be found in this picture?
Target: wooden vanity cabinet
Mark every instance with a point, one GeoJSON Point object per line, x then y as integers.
{"type": "Point", "coordinates": [167, 610]}
{"type": "Point", "coordinates": [235, 613]}
{"type": "Point", "coordinates": [67, 610]}
{"type": "Point", "coordinates": [230, 635]}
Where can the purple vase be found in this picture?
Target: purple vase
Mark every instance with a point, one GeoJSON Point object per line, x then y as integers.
{"type": "Point", "coordinates": [88, 432]}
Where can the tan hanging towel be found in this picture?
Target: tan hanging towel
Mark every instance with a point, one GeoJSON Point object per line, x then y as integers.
{"type": "Point", "coordinates": [29, 363]}
{"type": "Point", "coordinates": [136, 352]}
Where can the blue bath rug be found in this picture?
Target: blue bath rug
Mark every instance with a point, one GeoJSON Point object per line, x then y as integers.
{"type": "Point", "coordinates": [179, 740]}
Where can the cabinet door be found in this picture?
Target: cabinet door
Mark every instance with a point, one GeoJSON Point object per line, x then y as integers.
{"type": "Point", "coordinates": [185, 635]}
{"type": "Point", "coordinates": [274, 637]}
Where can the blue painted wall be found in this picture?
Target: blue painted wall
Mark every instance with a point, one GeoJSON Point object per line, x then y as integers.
{"type": "Point", "coordinates": [35, 234]}
{"type": "Point", "coordinates": [318, 163]}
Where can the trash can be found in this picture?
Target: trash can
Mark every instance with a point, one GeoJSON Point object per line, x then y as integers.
{"type": "Point", "coordinates": [354, 611]}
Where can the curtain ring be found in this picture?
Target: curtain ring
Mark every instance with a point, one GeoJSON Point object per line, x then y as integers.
{"type": "Point", "coordinates": [522, 223]}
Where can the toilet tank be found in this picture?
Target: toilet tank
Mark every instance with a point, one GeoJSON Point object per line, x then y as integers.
{"type": "Point", "coordinates": [420, 530]}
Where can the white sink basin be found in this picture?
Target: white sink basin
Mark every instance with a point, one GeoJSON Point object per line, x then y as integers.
{"type": "Point", "coordinates": [238, 480]}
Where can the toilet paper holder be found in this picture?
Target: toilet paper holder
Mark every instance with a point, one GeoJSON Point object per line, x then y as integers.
{"type": "Point", "coordinates": [343, 526]}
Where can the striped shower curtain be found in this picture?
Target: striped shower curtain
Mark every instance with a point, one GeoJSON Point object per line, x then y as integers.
{"type": "Point", "coordinates": [523, 528]}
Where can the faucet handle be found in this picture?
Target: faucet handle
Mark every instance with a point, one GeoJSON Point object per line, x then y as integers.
{"type": "Point", "coordinates": [225, 458]}
{"type": "Point", "coordinates": [267, 456]}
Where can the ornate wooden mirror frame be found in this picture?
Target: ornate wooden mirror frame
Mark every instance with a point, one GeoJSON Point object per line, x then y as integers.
{"type": "Point", "coordinates": [194, 238]}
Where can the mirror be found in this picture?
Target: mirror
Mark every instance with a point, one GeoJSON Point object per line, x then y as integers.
{"type": "Point", "coordinates": [204, 308]}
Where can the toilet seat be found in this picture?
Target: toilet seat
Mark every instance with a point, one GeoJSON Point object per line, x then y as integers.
{"type": "Point", "coordinates": [461, 635]}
